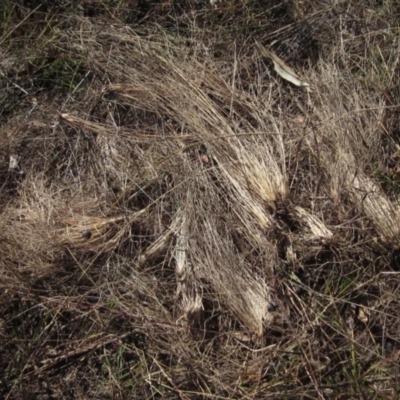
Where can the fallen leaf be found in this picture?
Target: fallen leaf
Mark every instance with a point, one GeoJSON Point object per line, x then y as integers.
{"type": "Point", "coordinates": [281, 68]}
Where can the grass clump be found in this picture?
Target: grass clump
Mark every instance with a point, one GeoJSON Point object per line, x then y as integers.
{"type": "Point", "coordinates": [177, 221]}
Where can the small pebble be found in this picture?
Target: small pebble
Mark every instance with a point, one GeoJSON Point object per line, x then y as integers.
{"type": "Point", "coordinates": [86, 233]}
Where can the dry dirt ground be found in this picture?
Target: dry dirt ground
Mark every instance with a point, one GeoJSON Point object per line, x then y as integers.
{"type": "Point", "coordinates": [178, 221]}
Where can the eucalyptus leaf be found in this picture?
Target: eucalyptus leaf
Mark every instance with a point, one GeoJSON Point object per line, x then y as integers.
{"type": "Point", "coordinates": [281, 68]}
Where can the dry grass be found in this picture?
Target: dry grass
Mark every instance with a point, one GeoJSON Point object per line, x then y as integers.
{"type": "Point", "coordinates": [182, 223]}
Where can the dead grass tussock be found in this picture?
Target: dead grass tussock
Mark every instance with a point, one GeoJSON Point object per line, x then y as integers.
{"type": "Point", "coordinates": [198, 227]}
{"type": "Point", "coordinates": [315, 227]}
{"type": "Point", "coordinates": [27, 229]}
{"type": "Point", "coordinates": [341, 144]}
{"type": "Point", "coordinates": [253, 181]}
{"type": "Point", "coordinates": [384, 214]}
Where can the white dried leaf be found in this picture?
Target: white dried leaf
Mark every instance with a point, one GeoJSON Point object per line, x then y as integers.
{"type": "Point", "coordinates": [181, 247]}
{"type": "Point", "coordinates": [281, 68]}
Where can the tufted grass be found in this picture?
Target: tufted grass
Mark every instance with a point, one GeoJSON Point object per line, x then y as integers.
{"type": "Point", "coordinates": [179, 222]}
